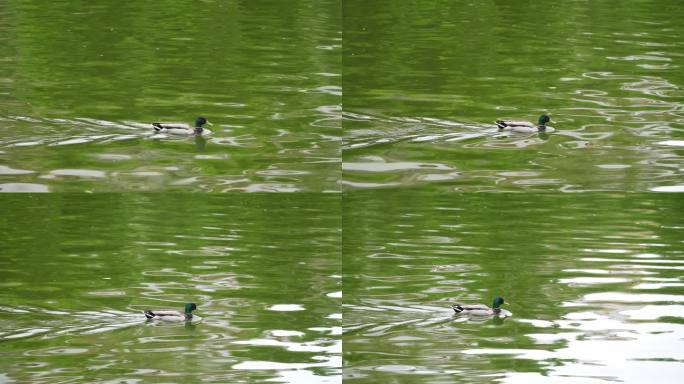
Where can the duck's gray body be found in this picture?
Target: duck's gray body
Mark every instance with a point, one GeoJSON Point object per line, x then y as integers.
{"type": "Point", "coordinates": [478, 310]}
{"type": "Point", "coordinates": [170, 315]}
{"type": "Point", "coordinates": [182, 129]}
{"type": "Point", "coordinates": [167, 315]}
{"type": "Point", "coordinates": [475, 310]}
{"type": "Point", "coordinates": [525, 126]}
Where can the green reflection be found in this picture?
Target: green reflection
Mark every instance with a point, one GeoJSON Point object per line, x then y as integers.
{"type": "Point", "coordinates": [79, 78]}
{"type": "Point", "coordinates": [423, 84]}
{"type": "Point", "coordinates": [593, 282]}
{"type": "Point", "coordinates": [78, 270]}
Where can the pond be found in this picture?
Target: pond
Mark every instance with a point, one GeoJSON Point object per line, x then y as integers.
{"type": "Point", "coordinates": [423, 85]}
{"type": "Point", "coordinates": [78, 271]}
{"type": "Point", "coordinates": [593, 281]}
{"type": "Point", "coordinates": [366, 130]}
{"type": "Point", "coordinates": [80, 84]}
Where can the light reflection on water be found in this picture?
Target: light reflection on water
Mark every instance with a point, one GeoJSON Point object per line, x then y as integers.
{"type": "Point", "coordinates": [264, 272]}
{"type": "Point", "coordinates": [391, 152]}
{"type": "Point", "coordinates": [428, 97]}
{"type": "Point", "coordinates": [78, 94]}
{"type": "Point", "coordinates": [594, 282]}
{"type": "Point", "coordinates": [131, 156]}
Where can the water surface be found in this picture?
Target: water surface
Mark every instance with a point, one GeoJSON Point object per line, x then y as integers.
{"type": "Point", "coordinates": [81, 81]}
{"type": "Point", "coordinates": [424, 83]}
{"type": "Point", "coordinates": [594, 283]}
{"type": "Point", "coordinates": [78, 270]}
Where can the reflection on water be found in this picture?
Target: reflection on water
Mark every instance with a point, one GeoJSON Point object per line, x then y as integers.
{"type": "Point", "coordinates": [134, 157]}
{"type": "Point", "coordinates": [428, 96]}
{"type": "Point", "coordinates": [76, 94]}
{"type": "Point", "coordinates": [594, 282]}
{"type": "Point", "coordinates": [79, 270]}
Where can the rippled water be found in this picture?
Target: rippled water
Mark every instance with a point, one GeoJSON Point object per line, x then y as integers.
{"type": "Point", "coordinates": [594, 283]}
{"type": "Point", "coordinates": [424, 84]}
{"type": "Point", "coordinates": [77, 272]}
{"type": "Point", "coordinates": [593, 280]}
{"type": "Point", "coordinates": [80, 83]}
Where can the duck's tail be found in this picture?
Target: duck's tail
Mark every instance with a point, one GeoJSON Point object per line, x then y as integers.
{"type": "Point", "coordinates": [157, 126]}
{"type": "Point", "coordinates": [149, 314]}
{"type": "Point", "coordinates": [457, 308]}
{"type": "Point", "coordinates": [501, 124]}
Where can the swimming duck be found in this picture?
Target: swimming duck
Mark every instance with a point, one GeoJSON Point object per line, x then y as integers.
{"type": "Point", "coordinates": [481, 309]}
{"type": "Point", "coordinates": [525, 126]}
{"type": "Point", "coordinates": [182, 128]}
{"type": "Point", "coordinates": [167, 315]}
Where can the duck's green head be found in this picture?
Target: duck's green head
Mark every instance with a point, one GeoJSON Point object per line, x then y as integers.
{"type": "Point", "coordinates": [498, 301]}
{"type": "Point", "coordinates": [200, 121]}
{"type": "Point", "coordinates": [543, 119]}
{"type": "Point", "coordinates": [189, 307]}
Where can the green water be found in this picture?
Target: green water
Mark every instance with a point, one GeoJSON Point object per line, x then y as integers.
{"type": "Point", "coordinates": [390, 106]}
{"type": "Point", "coordinates": [424, 81]}
{"type": "Point", "coordinates": [77, 272]}
{"type": "Point", "coordinates": [81, 81]}
{"type": "Point", "coordinates": [594, 283]}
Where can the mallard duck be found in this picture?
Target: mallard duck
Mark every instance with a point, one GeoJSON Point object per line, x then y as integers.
{"type": "Point", "coordinates": [481, 309]}
{"type": "Point", "coordinates": [182, 128]}
{"type": "Point", "coordinates": [168, 315]}
{"type": "Point", "coordinates": [525, 126]}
